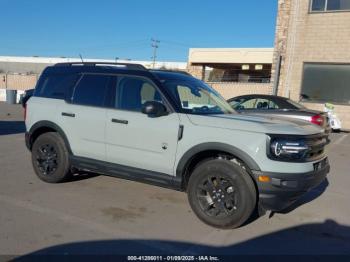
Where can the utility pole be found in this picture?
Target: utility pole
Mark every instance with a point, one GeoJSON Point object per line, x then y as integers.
{"type": "Point", "coordinates": [155, 46]}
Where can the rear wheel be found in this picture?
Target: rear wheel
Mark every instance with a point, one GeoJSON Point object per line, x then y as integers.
{"type": "Point", "coordinates": [50, 158]}
{"type": "Point", "coordinates": [221, 193]}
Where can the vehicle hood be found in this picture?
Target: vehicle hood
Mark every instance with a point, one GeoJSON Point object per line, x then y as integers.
{"type": "Point", "coordinates": [259, 124]}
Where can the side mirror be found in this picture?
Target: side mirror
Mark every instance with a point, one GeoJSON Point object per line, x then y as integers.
{"type": "Point", "coordinates": [154, 109]}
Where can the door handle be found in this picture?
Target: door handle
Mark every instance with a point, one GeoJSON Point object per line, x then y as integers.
{"type": "Point", "coordinates": [120, 121]}
{"type": "Point", "coordinates": [68, 114]}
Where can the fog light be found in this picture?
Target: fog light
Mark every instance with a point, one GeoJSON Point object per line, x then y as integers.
{"type": "Point", "coordinates": [264, 179]}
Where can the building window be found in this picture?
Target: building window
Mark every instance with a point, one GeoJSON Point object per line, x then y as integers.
{"type": "Point", "coordinates": [259, 73]}
{"type": "Point", "coordinates": [326, 83]}
{"type": "Point", "coordinates": [329, 5]}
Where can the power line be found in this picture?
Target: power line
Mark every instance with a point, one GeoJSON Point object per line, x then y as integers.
{"type": "Point", "coordinates": [155, 45]}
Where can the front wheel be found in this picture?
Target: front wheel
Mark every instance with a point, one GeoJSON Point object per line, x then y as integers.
{"type": "Point", "coordinates": [50, 158]}
{"type": "Point", "coordinates": [221, 193]}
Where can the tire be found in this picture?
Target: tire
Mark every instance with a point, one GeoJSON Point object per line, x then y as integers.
{"type": "Point", "coordinates": [50, 158]}
{"type": "Point", "coordinates": [233, 205]}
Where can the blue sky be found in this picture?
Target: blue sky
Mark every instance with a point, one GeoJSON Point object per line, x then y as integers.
{"type": "Point", "coordinates": [124, 28]}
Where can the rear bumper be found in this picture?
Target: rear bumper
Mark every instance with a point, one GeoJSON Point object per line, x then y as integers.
{"type": "Point", "coordinates": [285, 188]}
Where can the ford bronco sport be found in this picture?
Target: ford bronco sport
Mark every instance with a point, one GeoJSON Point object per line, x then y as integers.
{"type": "Point", "coordinates": [172, 130]}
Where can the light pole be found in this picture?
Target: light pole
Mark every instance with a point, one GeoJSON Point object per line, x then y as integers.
{"type": "Point", "coordinates": [155, 46]}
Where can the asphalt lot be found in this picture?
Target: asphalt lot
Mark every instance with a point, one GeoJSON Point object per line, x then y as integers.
{"type": "Point", "coordinates": [105, 215]}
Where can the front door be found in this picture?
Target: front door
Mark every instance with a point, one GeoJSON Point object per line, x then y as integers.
{"type": "Point", "coordinates": [135, 139]}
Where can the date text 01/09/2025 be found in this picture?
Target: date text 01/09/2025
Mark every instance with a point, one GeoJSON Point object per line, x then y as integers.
{"type": "Point", "coordinates": [173, 258]}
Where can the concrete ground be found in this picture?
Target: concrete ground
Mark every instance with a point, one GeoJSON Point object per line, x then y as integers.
{"type": "Point", "coordinates": [105, 215]}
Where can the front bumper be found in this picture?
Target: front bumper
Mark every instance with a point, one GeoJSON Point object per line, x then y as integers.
{"type": "Point", "coordinates": [285, 188]}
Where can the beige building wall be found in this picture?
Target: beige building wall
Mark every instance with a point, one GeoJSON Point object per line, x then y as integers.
{"type": "Point", "coordinates": [195, 71]}
{"type": "Point", "coordinates": [309, 37]}
{"type": "Point", "coordinates": [229, 90]}
{"type": "Point", "coordinates": [17, 81]}
{"type": "Point", "coordinates": [230, 55]}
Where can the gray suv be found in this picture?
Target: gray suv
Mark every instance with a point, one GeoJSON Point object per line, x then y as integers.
{"type": "Point", "coordinates": [172, 130]}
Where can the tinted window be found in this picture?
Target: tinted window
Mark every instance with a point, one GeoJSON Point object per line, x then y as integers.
{"type": "Point", "coordinates": [326, 83]}
{"type": "Point", "coordinates": [263, 103]}
{"type": "Point", "coordinates": [338, 5]}
{"type": "Point", "coordinates": [246, 104]}
{"type": "Point", "coordinates": [318, 5]}
{"type": "Point", "coordinates": [254, 103]}
{"type": "Point", "coordinates": [56, 86]}
{"type": "Point", "coordinates": [91, 90]}
{"type": "Point", "coordinates": [330, 5]}
{"type": "Point", "coordinates": [133, 92]}
{"type": "Point", "coordinates": [235, 102]}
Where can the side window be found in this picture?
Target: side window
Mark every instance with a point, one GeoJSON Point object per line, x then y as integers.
{"type": "Point", "coordinates": [133, 92]}
{"type": "Point", "coordinates": [91, 90]}
{"type": "Point", "coordinates": [265, 104]}
{"type": "Point", "coordinates": [247, 104]}
{"type": "Point", "coordinates": [235, 102]}
{"type": "Point", "coordinates": [56, 86]}
{"type": "Point", "coordinates": [273, 105]}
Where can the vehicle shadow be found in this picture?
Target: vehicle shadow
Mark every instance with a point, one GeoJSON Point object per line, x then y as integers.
{"type": "Point", "coordinates": [78, 176]}
{"type": "Point", "coordinates": [328, 238]}
{"type": "Point", "coordinates": [12, 127]}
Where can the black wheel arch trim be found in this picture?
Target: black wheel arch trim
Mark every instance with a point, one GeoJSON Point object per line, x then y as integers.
{"type": "Point", "coordinates": [214, 146]}
{"type": "Point", "coordinates": [49, 124]}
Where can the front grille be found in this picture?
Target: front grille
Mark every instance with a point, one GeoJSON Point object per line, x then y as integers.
{"type": "Point", "coordinates": [316, 144]}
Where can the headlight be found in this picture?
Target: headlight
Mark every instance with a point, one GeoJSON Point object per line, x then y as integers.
{"type": "Point", "coordinates": [287, 149]}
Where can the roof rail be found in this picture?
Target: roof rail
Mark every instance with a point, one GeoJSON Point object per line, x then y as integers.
{"type": "Point", "coordinates": [127, 65]}
{"type": "Point", "coordinates": [171, 71]}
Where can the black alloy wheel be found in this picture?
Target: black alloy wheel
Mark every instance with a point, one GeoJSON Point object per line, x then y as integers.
{"type": "Point", "coordinates": [50, 158]}
{"type": "Point", "coordinates": [217, 196]}
{"type": "Point", "coordinates": [47, 159]}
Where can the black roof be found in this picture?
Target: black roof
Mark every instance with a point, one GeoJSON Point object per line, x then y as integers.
{"type": "Point", "coordinates": [122, 68]}
{"type": "Point", "coordinates": [168, 74]}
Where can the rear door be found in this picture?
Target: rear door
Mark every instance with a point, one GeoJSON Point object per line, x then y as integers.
{"type": "Point", "coordinates": [84, 119]}
{"type": "Point", "coordinates": [135, 139]}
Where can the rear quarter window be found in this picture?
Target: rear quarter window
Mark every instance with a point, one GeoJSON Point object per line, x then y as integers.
{"type": "Point", "coordinates": [56, 86]}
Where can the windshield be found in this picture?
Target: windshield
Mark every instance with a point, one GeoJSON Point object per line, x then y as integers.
{"type": "Point", "coordinates": [195, 97]}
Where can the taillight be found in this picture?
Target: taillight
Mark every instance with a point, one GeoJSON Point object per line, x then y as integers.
{"type": "Point", "coordinates": [25, 112]}
{"type": "Point", "coordinates": [317, 120]}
